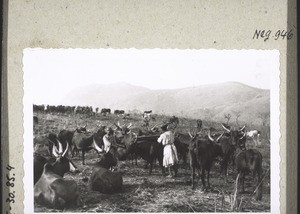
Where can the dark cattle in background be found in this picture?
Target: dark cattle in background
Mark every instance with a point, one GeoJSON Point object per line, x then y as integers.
{"type": "Point", "coordinates": [149, 149]}
{"type": "Point", "coordinates": [39, 108]}
{"type": "Point", "coordinates": [105, 111]}
{"type": "Point", "coordinates": [53, 191]}
{"type": "Point", "coordinates": [119, 111]}
{"type": "Point", "coordinates": [250, 161]}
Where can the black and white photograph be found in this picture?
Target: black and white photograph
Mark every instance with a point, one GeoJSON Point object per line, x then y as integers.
{"type": "Point", "coordinates": [151, 130]}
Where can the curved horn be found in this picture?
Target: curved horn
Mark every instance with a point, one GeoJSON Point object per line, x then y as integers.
{"type": "Point", "coordinates": [60, 147]}
{"type": "Point", "coordinates": [242, 128]}
{"type": "Point", "coordinates": [153, 127]}
{"type": "Point", "coordinates": [96, 146]}
{"type": "Point", "coordinates": [54, 151]}
{"type": "Point", "coordinates": [66, 150]}
{"type": "Point", "coordinates": [190, 134]}
{"type": "Point", "coordinates": [244, 135]}
{"type": "Point", "coordinates": [210, 138]}
{"type": "Point", "coordinates": [219, 137]}
{"type": "Point", "coordinates": [118, 125]}
{"type": "Point", "coordinates": [129, 125]}
{"type": "Point", "coordinates": [225, 128]}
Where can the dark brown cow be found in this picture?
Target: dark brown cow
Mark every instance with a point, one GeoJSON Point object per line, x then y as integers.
{"type": "Point", "coordinates": [250, 161]}
{"type": "Point", "coordinates": [85, 142]}
{"type": "Point", "coordinates": [202, 152]}
{"type": "Point", "coordinates": [105, 181]}
{"type": "Point", "coordinates": [120, 147]}
{"type": "Point", "coordinates": [106, 160]}
{"type": "Point", "coordinates": [53, 191]}
{"type": "Point", "coordinates": [105, 111]}
{"type": "Point", "coordinates": [231, 139]}
{"type": "Point", "coordinates": [182, 142]}
{"type": "Point", "coordinates": [66, 136]}
{"type": "Point", "coordinates": [149, 149]}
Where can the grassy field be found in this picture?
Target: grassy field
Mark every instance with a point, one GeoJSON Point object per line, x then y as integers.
{"type": "Point", "coordinates": [153, 193]}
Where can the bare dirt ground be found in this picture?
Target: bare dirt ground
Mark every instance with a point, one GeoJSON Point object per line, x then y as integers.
{"type": "Point", "coordinates": [153, 193]}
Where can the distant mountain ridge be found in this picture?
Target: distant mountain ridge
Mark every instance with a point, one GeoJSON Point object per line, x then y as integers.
{"type": "Point", "coordinates": [206, 101]}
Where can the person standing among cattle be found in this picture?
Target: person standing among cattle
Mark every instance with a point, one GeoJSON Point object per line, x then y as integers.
{"type": "Point", "coordinates": [107, 139]}
{"type": "Point", "coordinates": [170, 158]}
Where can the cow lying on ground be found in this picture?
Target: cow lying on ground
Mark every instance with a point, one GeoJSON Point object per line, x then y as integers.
{"type": "Point", "coordinates": [61, 164]}
{"type": "Point", "coordinates": [51, 189]}
{"type": "Point", "coordinates": [102, 179]}
{"type": "Point", "coordinates": [54, 191]}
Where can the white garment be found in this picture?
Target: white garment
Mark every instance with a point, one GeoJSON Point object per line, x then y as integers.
{"type": "Point", "coordinates": [107, 143]}
{"type": "Point", "coordinates": [170, 151]}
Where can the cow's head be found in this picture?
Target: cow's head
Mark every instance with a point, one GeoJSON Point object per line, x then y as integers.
{"type": "Point", "coordinates": [129, 139]}
{"type": "Point", "coordinates": [211, 139]}
{"type": "Point", "coordinates": [107, 160]}
{"type": "Point", "coordinates": [81, 129]}
{"type": "Point", "coordinates": [62, 163]}
{"type": "Point", "coordinates": [58, 152]}
{"type": "Point", "coordinates": [121, 130]}
{"type": "Point", "coordinates": [237, 136]}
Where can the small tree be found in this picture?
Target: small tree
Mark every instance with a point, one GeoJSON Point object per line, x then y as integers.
{"type": "Point", "coordinates": [237, 115]}
{"type": "Point", "coordinates": [227, 117]}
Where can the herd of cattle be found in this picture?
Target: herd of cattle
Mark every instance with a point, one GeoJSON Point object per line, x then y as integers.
{"type": "Point", "coordinates": [201, 147]}
{"type": "Point", "coordinates": [88, 110]}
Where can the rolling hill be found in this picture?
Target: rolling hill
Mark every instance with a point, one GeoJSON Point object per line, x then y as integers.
{"type": "Point", "coordinates": [206, 101]}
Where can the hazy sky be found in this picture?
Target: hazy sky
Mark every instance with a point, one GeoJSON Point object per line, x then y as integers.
{"type": "Point", "coordinates": [51, 73]}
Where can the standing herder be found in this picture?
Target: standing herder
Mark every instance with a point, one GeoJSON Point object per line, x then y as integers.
{"type": "Point", "coordinates": [107, 139]}
{"type": "Point", "coordinates": [170, 158]}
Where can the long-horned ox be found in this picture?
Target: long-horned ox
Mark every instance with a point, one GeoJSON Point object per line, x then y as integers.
{"type": "Point", "coordinates": [202, 152]}
{"type": "Point", "coordinates": [51, 189]}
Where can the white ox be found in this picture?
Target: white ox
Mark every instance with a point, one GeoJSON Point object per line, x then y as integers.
{"type": "Point", "coordinates": [254, 135]}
